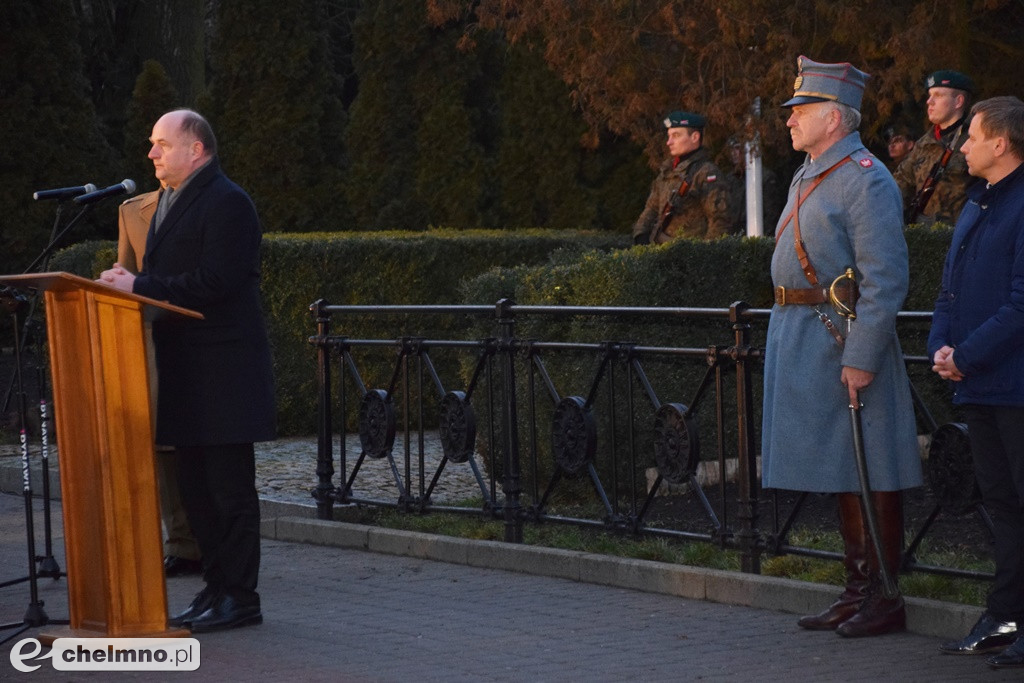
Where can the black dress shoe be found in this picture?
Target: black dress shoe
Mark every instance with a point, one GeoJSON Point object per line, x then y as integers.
{"type": "Point", "coordinates": [199, 604]}
{"type": "Point", "coordinates": [1011, 657]}
{"type": "Point", "coordinates": [179, 566]}
{"type": "Point", "coordinates": [988, 635]}
{"type": "Point", "coordinates": [228, 612]}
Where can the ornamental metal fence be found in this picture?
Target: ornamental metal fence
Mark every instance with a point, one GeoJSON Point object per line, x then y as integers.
{"type": "Point", "coordinates": [637, 437]}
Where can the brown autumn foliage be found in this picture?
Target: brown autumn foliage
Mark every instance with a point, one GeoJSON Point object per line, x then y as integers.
{"type": "Point", "coordinates": [629, 61]}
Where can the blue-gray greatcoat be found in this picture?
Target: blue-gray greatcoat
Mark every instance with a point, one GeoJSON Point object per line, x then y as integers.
{"type": "Point", "coordinates": [853, 218]}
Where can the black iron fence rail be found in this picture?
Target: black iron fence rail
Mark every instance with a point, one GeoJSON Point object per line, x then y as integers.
{"type": "Point", "coordinates": [507, 378]}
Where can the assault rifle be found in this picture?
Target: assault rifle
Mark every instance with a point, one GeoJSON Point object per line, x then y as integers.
{"type": "Point", "coordinates": [916, 207]}
{"type": "Point", "coordinates": [669, 210]}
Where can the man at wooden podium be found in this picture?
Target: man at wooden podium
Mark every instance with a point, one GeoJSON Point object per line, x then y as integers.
{"type": "Point", "coordinates": [215, 391]}
{"type": "Point", "coordinates": [181, 551]}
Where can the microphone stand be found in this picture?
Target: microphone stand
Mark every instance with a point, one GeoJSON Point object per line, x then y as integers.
{"type": "Point", "coordinates": [16, 302]}
{"type": "Point", "coordinates": [55, 238]}
{"type": "Point", "coordinates": [48, 565]}
{"type": "Point", "coordinates": [35, 615]}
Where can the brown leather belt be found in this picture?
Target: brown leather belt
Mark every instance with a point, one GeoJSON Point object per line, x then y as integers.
{"type": "Point", "coordinates": [808, 296]}
{"type": "Point", "coordinates": [812, 296]}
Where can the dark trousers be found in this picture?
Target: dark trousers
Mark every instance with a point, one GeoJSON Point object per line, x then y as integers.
{"type": "Point", "coordinates": [218, 488]}
{"type": "Point", "coordinates": [997, 446]}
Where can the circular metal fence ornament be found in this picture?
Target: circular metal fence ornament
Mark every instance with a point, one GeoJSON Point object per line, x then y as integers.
{"type": "Point", "coordinates": [376, 423]}
{"type": "Point", "coordinates": [573, 435]}
{"type": "Point", "coordinates": [951, 468]}
{"type": "Point", "coordinates": [458, 427]}
{"type": "Point", "coordinates": [676, 443]}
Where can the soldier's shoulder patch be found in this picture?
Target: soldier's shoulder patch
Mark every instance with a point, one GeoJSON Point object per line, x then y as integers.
{"type": "Point", "coordinates": [711, 178]}
{"type": "Point", "coordinates": [864, 158]}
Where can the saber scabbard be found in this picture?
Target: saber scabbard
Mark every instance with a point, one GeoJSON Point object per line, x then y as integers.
{"type": "Point", "coordinates": [845, 307]}
{"type": "Point", "coordinates": [889, 589]}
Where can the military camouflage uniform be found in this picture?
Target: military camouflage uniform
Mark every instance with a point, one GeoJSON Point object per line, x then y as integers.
{"type": "Point", "coordinates": [949, 196]}
{"type": "Point", "coordinates": [709, 209]}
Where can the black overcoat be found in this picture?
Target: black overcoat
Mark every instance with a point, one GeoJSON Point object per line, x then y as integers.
{"type": "Point", "coordinates": [215, 375]}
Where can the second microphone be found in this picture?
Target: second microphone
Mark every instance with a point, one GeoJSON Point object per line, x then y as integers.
{"type": "Point", "coordinates": [126, 186]}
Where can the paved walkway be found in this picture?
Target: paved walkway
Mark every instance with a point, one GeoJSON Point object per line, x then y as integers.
{"type": "Point", "coordinates": [286, 470]}
{"type": "Point", "coordinates": [351, 603]}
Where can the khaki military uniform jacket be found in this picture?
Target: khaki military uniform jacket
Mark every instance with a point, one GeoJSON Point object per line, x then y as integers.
{"type": "Point", "coordinates": [709, 209]}
{"type": "Point", "coordinates": [133, 219]}
{"type": "Point", "coordinates": [950, 192]}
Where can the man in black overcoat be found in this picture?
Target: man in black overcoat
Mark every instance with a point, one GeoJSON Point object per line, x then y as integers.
{"type": "Point", "coordinates": [215, 395]}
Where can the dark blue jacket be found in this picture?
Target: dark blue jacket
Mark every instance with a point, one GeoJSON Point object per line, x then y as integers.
{"type": "Point", "coordinates": [980, 308]}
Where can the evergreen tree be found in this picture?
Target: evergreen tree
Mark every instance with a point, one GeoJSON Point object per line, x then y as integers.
{"type": "Point", "coordinates": [49, 130]}
{"type": "Point", "coordinates": [450, 165]}
{"type": "Point", "coordinates": [153, 96]}
{"type": "Point", "coordinates": [381, 136]}
{"type": "Point", "coordinates": [277, 113]}
{"type": "Point", "coordinates": [119, 35]}
{"type": "Point", "coordinates": [619, 176]}
{"type": "Point", "coordinates": [541, 150]}
{"type": "Point", "coordinates": [340, 18]}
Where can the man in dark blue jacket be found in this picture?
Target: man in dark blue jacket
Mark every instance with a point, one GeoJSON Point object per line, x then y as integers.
{"type": "Point", "coordinates": [977, 342]}
{"type": "Point", "coordinates": [216, 393]}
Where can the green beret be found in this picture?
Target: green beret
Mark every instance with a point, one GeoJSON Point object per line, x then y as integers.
{"type": "Point", "coordinates": [947, 78]}
{"type": "Point", "coordinates": [684, 119]}
{"type": "Point", "coordinates": [896, 129]}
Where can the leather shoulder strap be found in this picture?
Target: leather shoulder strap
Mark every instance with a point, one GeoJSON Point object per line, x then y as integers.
{"type": "Point", "coordinates": [794, 215]}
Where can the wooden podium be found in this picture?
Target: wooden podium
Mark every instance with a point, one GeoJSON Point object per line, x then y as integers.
{"type": "Point", "coordinates": [112, 537]}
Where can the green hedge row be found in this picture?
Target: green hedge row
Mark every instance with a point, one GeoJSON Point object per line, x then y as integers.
{"type": "Point", "coordinates": [680, 274]}
{"type": "Point", "coordinates": [688, 274]}
{"type": "Point", "coordinates": [365, 268]}
{"type": "Point", "coordinates": [531, 267]}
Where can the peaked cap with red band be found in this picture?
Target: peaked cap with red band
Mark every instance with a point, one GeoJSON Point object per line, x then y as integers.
{"type": "Point", "coordinates": [819, 82]}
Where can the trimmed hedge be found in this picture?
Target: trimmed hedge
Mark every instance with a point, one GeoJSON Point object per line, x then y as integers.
{"type": "Point", "coordinates": [531, 267]}
{"type": "Point", "coordinates": [687, 273]}
{"type": "Point", "coordinates": [364, 268]}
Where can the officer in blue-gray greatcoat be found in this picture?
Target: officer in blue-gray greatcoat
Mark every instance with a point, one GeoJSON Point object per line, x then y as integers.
{"type": "Point", "coordinates": [844, 211]}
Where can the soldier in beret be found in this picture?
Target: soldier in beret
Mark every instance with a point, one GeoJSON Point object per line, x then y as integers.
{"type": "Point", "coordinates": [949, 96]}
{"type": "Point", "coordinates": [898, 142]}
{"type": "Point", "coordinates": [690, 197]}
{"type": "Point", "coordinates": [843, 211]}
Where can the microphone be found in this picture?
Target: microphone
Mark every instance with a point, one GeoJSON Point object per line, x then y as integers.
{"type": "Point", "coordinates": [126, 186]}
{"type": "Point", "coordinates": [64, 192]}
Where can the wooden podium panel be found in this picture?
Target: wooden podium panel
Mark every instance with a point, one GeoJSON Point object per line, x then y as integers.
{"type": "Point", "coordinates": [102, 412]}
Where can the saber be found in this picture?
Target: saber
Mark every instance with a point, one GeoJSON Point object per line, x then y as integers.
{"type": "Point", "coordinates": [846, 310]}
